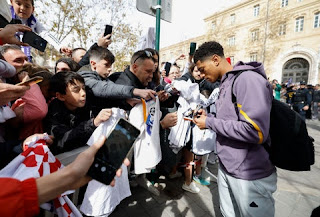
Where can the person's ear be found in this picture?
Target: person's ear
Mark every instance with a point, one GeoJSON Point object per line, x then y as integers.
{"type": "Point", "coordinates": [216, 59]}
{"type": "Point", "coordinates": [134, 68]}
{"type": "Point", "coordinates": [60, 96]}
{"type": "Point", "coordinates": [93, 64]}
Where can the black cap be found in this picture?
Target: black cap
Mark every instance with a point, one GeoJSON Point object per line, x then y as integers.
{"type": "Point", "coordinates": [302, 83]}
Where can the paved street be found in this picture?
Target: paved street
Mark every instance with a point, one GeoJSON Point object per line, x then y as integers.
{"type": "Point", "coordinates": [297, 195]}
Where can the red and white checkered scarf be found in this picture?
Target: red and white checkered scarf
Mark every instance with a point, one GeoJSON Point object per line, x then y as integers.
{"type": "Point", "coordinates": [37, 161]}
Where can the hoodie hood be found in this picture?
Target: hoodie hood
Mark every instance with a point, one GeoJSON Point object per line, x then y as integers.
{"type": "Point", "coordinates": [250, 66]}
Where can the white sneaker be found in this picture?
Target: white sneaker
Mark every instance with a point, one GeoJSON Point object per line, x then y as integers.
{"type": "Point", "coordinates": [191, 188]}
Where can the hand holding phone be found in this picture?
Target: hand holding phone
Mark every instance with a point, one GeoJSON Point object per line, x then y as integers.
{"type": "Point", "coordinates": [108, 30]}
{"type": "Point", "coordinates": [31, 81]}
{"type": "Point", "coordinates": [110, 156]}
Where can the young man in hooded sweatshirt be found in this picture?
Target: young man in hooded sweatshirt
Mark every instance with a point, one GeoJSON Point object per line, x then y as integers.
{"type": "Point", "coordinates": [246, 177]}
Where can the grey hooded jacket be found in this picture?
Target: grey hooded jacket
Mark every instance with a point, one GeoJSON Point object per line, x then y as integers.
{"type": "Point", "coordinates": [101, 92]}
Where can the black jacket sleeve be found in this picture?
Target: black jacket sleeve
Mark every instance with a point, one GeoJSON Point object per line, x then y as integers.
{"type": "Point", "coordinates": [85, 59]}
{"type": "Point", "coordinates": [67, 131]}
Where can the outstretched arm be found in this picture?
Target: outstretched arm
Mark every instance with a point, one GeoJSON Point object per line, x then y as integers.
{"type": "Point", "coordinates": [71, 177]}
{"type": "Point", "coordinates": [7, 34]}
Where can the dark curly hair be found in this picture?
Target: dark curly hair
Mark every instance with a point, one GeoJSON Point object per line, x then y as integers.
{"type": "Point", "coordinates": [208, 49]}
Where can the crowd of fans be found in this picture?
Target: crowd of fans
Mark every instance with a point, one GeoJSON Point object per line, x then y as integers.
{"type": "Point", "coordinates": [303, 98]}
{"type": "Point", "coordinates": [79, 95]}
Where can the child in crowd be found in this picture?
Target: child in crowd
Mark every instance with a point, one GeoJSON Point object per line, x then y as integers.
{"type": "Point", "coordinates": [100, 87]}
{"type": "Point", "coordinates": [68, 119]}
{"type": "Point", "coordinates": [23, 10]}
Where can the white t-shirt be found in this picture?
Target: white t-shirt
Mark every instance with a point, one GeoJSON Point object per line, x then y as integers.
{"type": "Point", "coordinates": [147, 150]}
{"type": "Point", "coordinates": [100, 199]}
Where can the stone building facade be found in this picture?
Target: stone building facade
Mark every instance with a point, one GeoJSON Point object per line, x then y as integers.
{"type": "Point", "coordinates": [282, 34]}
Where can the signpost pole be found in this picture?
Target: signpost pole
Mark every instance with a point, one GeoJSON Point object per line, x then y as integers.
{"type": "Point", "coordinates": [158, 18]}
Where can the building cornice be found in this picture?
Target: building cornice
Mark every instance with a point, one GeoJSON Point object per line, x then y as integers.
{"type": "Point", "coordinates": [231, 9]}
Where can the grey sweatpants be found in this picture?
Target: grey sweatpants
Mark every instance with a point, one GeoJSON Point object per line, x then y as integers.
{"type": "Point", "coordinates": [245, 198]}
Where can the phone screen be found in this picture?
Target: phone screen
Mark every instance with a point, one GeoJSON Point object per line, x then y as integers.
{"type": "Point", "coordinates": [35, 41]}
{"type": "Point", "coordinates": [108, 30]}
{"type": "Point", "coordinates": [167, 67]}
{"type": "Point", "coordinates": [192, 48]}
{"type": "Point", "coordinates": [110, 156]}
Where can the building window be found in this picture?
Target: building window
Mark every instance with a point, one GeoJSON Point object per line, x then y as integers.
{"type": "Point", "coordinates": [253, 57]}
{"type": "Point", "coordinates": [255, 35]}
{"type": "Point", "coordinates": [213, 26]}
{"type": "Point", "coordinates": [317, 20]}
{"type": "Point", "coordinates": [232, 60]}
{"type": "Point", "coordinates": [299, 24]}
{"type": "Point", "coordinates": [282, 29]}
{"type": "Point", "coordinates": [256, 10]}
{"type": "Point", "coordinates": [232, 40]}
{"type": "Point", "coordinates": [299, 0]}
{"type": "Point", "coordinates": [284, 3]}
{"type": "Point", "coordinates": [232, 18]}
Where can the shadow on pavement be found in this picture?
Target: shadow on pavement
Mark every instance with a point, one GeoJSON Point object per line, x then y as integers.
{"type": "Point", "coordinates": [173, 201]}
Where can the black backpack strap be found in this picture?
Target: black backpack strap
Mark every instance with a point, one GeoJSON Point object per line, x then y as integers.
{"type": "Point", "coordinates": [233, 97]}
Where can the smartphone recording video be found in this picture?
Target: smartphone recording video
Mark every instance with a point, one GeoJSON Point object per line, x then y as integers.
{"type": "Point", "coordinates": [110, 156]}
{"type": "Point", "coordinates": [34, 41]}
{"type": "Point", "coordinates": [167, 67]}
{"type": "Point", "coordinates": [108, 30]}
{"type": "Point", "coordinates": [192, 48]}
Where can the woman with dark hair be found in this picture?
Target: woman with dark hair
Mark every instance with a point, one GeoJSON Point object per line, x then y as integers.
{"type": "Point", "coordinates": [66, 65]}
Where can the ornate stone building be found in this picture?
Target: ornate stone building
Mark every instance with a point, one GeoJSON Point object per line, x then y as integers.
{"type": "Point", "coordinates": [282, 34]}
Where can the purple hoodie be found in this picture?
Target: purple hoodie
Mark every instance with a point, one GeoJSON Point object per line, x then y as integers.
{"type": "Point", "coordinates": [239, 141]}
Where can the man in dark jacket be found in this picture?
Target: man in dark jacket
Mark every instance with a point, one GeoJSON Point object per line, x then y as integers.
{"type": "Point", "coordinates": [138, 74]}
{"type": "Point", "coordinates": [245, 167]}
{"type": "Point", "coordinates": [101, 89]}
{"type": "Point", "coordinates": [301, 100]}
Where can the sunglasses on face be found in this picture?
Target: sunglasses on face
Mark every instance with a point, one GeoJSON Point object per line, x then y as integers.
{"type": "Point", "coordinates": [145, 54]}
